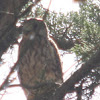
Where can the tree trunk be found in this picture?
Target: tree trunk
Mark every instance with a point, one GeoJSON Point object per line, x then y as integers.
{"type": "Point", "coordinates": [9, 11]}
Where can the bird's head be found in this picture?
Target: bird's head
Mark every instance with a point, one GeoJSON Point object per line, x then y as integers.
{"type": "Point", "coordinates": [33, 27]}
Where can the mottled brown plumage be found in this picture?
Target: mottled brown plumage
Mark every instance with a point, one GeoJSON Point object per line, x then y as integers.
{"type": "Point", "coordinates": [39, 64]}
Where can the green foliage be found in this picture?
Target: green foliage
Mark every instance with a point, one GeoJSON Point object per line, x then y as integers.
{"type": "Point", "coordinates": [90, 31]}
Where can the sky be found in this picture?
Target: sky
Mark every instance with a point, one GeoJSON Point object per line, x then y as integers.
{"type": "Point", "coordinates": [61, 5]}
{"type": "Point", "coordinates": [57, 6]}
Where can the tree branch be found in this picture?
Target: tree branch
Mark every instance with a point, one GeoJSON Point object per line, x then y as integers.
{"type": "Point", "coordinates": [77, 76]}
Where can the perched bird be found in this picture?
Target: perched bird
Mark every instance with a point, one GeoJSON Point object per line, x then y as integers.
{"type": "Point", "coordinates": [39, 63]}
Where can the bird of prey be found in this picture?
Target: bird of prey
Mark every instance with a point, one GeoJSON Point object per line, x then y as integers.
{"type": "Point", "coordinates": [39, 63]}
